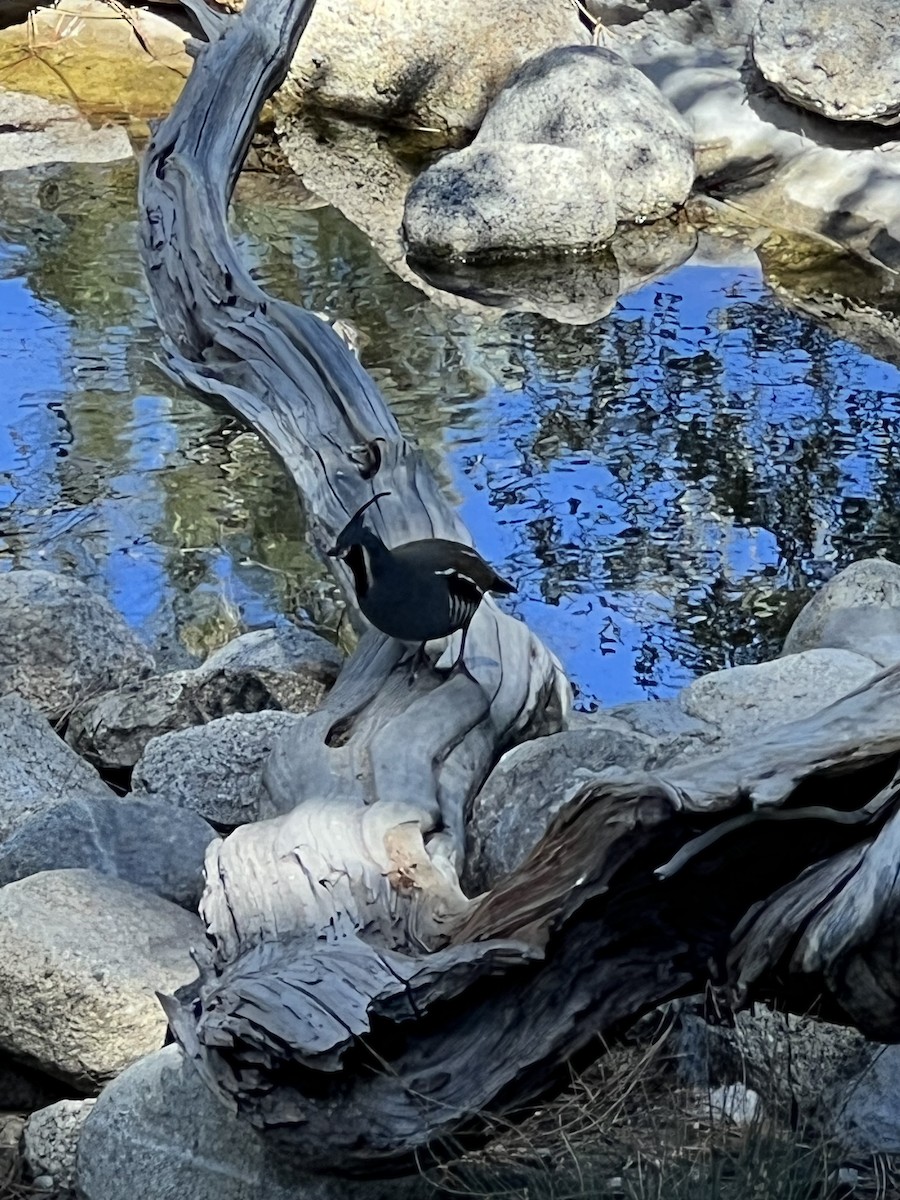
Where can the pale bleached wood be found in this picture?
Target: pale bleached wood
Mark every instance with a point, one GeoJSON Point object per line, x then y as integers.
{"type": "Point", "coordinates": [355, 1005]}
{"type": "Point", "coordinates": [411, 756]}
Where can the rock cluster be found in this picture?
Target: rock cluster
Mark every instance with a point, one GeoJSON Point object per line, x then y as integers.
{"type": "Point", "coordinates": [99, 891]}
{"type": "Point", "coordinates": [784, 99]}
{"type": "Point", "coordinates": [821, 662]}
{"type": "Point", "coordinates": [95, 889]}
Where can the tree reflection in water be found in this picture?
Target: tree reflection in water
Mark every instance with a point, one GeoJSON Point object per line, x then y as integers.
{"type": "Point", "coordinates": [664, 484]}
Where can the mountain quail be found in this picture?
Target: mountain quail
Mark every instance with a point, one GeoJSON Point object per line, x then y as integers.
{"type": "Point", "coordinates": [420, 590]}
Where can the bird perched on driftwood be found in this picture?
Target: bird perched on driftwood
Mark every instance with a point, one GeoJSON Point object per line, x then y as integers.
{"type": "Point", "coordinates": [420, 590]}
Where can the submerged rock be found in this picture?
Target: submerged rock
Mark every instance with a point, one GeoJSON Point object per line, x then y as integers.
{"type": "Point", "coordinates": [63, 642]}
{"type": "Point", "coordinates": [215, 770]}
{"type": "Point", "coordinates": [574, 289]}
{"type": "Point", "coordinates": [37, 768]}
{"type": "Point", "coordinates": [158, 1132]}
{"type": "Point", "coordinates": [843, 63]}
{"type": "Point", "coordinates": [418, 64]}
{"type": "Point", "coordinates": [529, 786]}
{"type": "Point", "coordinates": [110, 63]}
{"type": "Point", "coordinates": [154, 845]}
{"type": "Point", "coordinates": [34, 131]}
{"type": "Point", "coordinates": [577, 141]}
{"type": "Point", "coordinates": [284, 669]}
{"type": "Point", "coordinates": [81, 959]}
{"type": "Point", "coordinates": [859, 609]}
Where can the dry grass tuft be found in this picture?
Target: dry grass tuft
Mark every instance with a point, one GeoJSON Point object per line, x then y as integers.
{"type": "Point", "coordinates": [628, 1130]}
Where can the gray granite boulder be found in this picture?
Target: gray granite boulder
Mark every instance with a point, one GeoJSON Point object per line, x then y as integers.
{"type": "Point", "coordinates": [588, 98]}
{"type": "Point", "coordinates": [577, 141]}
{"type": "Point", "coordinates": [63, 642]}
{"type": "Point", "coordinates": [158, 1133]}
{"type": "Point", "coordinates": [154, 845]}
{"type": "Point", "coordinates": [81, 959]}
{"type": "Point", "coordinates": [113, 730]}
{"type": "Point", "coordinates": [859, 609]}
{"type": "Point", "coordinates": [417, 64]}
{"type": "Point", "coordinates": [483, 201]}
{"type": "Point", "coordinates": [50, 1140]}
{"type": "Point", "coordinates": [531, 783]}
{"type": "Point", "coordinates": [840, 61]}
{"type": "Point", "coordinates": [676, 734]}
{"type": "Point", "coordinates": [285, 668]}
{"type": "Point", "coordinates": [215, 770]}
{"type": "Point", "coordinates": [37, 768]}
{"type": "Point", "coordinates": [868, 1119]}
{"type": "Point", "coordinates": [743, 701]}
{"type": "Point", "coordinates": [284, 649]}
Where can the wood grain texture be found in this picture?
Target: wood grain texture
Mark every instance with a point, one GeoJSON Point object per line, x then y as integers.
{"type": "Point", "coordinates": [354, 1004]}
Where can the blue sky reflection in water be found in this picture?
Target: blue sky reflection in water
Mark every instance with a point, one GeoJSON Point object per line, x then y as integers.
{"type": "Point", "coordinates": [662, 485]}
{"type": "Point", "coordinates": [661, 506]}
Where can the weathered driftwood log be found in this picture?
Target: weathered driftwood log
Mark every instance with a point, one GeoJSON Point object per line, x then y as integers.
{"type": "Point", "coordinates": [356, 1005]}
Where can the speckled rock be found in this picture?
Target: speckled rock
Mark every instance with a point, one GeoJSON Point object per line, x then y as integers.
{"type": "Point", "coordinates": [62, 642]}
{"type": "Point", "coordinates": [529, 786]}
{"type": "Point", "coordinates": [868, 1121]}
{"type": "Point", "coordinates": [482, 201]}
{"type": "Point", "coordinates": [859, 609]}
{"type": "Point", "coordinates": [50, 1140]}
{"type": "Point", "coordinates": [282, 669]}
{"type": "Point", "coordinates": [418, 64]}
{"type": "Point", "coordinates": [788, 1059]}
{"type": "Point", "coordinates": [37, 768]}
{"type": "Point", "coordinates": [145, 842]}
{"type": "Point", "coordinates": [676, 734]}
{"type": "Point", "coordinates": [742, 701]}
{"type": "Point", "coordinates": [588, 98]}
{"type": "Point", "coordinates": [842, 62]}
{"type": "Point", "coordinates": [158, 1133]}
{"type": "Point", "coordinates": [603, 141]}
{"type": "Point", "coordinates": [81, 959]}
{"type": "Point", "coordinates": [215, 769]}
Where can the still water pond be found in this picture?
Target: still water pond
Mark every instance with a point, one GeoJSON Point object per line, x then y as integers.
{"type": "Point", "coordinates": [663, 485]}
